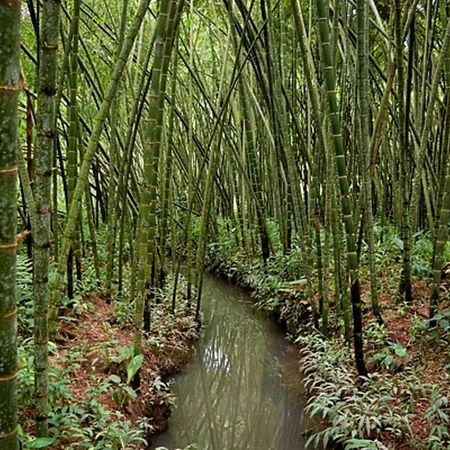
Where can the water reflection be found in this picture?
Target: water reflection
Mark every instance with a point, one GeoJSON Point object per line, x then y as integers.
{"type": "Point", "coordinates": [241, 391]}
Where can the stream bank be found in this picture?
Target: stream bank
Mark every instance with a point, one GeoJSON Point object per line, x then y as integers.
{"type": "Point", "coordinates": [93, 405]}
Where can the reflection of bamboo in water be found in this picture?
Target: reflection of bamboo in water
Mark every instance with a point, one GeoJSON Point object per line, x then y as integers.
{"type": "Point", "coordinates": [276, 437]}
{"type": "Point", "coordinates": [212, 381]}
{"type": "Point", "coordinates": [232, 400]}
{"type": "Point", "coordinates": [234, 422]}
{"type": "Point", "coordinates": [263, 432]}
{"type": "Point", "coordinates": [274, 443]}
{"type": "Point", "coordinates": [220, 380]}
{"type": "Point", "coordinates": [252, 370]}
{"type": "Point", "coordinates": [212, 428]}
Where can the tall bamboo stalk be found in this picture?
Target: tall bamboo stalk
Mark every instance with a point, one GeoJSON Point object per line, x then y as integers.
{"type": "Point", "coordinates": [43, 163]}
{"type": "Point", "coordinates": [9, 90]}
{"type": "Point", "coordinates": [166, 24]}
{"type": "Point", "coordinates": [341, 166]}
{"type": "Point", "coordinates": [113, 185]}
{"type": "Point", "coordinates": [363, 105]}
{"type": "Point", "coordinates": [72, 144]}
{"type": "Point", "coordinates": [405, 282]}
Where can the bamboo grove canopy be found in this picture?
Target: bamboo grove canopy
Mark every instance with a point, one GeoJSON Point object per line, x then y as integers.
{"type": "Point", "coordinates": [303, 126]}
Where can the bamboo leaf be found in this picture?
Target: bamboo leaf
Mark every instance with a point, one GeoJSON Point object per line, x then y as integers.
{"type": "Point", "coordinates": [41, 443]}
{"type": "Point", "coordinates": [134, 366]}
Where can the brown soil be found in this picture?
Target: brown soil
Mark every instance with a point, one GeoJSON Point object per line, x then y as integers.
{"type": "Point", "coordinates": [426, 360]}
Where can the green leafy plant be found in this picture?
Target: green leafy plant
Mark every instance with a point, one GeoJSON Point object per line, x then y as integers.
{"type": "Point", "coordinates": [134, 366]}
{"type": "Point", "coordinates": [364, 444]}
{"type": "Point", "coordinates": [438, 415]}
{"type": "Point", "coordinates": [39, 443]}
{"type": "Point", "coordinates": [353, 413]}
{"type": "Point", "coordinates": [391, 357]}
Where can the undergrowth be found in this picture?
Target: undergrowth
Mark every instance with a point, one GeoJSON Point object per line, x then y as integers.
{"type": "Point", "coordinates": [356, 414]}
{"type": "Point", "coordinates": [84, 421]}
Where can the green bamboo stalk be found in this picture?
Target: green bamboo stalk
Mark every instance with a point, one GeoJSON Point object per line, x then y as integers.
{"type": "Point", "coordinates": [92, 232]}
{"type": "Point", "coordinates": [64, 66]}
{"type": "Point", "coordinates": [146, 252]}
{"type": "Point", "coordinates": [43, 163]}
{"type": "Point", "coordinates": [10, 86]}
{"type": "Point", "coordinates": [167, 195]}
{"type": "Point", "coordinates": [363, 105]}
{"type": "Point", "coordinates": [113, 185]}
{"type": "Point", "coordinates": [143, 85]}
{"type": "Point", "coordinates": [190, 195]}
{"type": "Point", "coordinates": [347, 211]}
{"type": "Point", "coordinates": [156, 112]}
{"type": "Point", "coordinates": [313, 91]}
{"type": "Point", "coordinates": [72, 144]}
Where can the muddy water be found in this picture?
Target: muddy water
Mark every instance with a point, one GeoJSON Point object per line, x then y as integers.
{"type": "Point", "coordinates": [242, 390]}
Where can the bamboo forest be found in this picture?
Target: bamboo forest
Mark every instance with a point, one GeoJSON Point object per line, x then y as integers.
{"type": "Point", "coordinates": [224, 224]}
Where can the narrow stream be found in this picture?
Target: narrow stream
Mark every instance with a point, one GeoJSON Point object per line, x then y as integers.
{"type": "Point", "coordinates": [242, 391]}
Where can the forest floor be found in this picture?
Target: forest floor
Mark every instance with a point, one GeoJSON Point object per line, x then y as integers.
{"type": "Point", "coordinates": [403, 404]}
{"type": "Point", "coordinates": [418, 360]}
{"type": "Point", "coordinates": [92, 364]}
